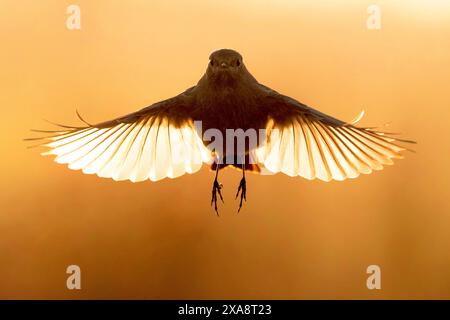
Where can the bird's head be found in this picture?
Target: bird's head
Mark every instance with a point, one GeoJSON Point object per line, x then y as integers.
{"type": "Point", "coordinates": [225, 66]}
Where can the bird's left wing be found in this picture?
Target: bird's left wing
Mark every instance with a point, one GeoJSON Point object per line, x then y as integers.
{"type": "Point", "coordinates": [302, 141]}
{"type": "Point", "coordinates": [154, 143]}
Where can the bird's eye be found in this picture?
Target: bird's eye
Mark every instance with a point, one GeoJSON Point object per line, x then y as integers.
{"type": "Point", "coordinates": [238, 63]}
{"type": "Point", "coordinates": [211, 63]}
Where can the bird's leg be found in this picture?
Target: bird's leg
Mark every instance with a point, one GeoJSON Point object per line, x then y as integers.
{"type": "Point", "coordinates": [216, 189]}
{"type": "Point", "coordinates": [242, 188]}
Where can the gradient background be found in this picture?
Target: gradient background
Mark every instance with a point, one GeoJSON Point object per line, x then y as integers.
{"type": "Point", "coordinates": [294, 238]}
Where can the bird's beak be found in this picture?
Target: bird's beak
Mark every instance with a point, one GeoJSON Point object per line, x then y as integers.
{"type": "Point", "coordinates": [224, 65]}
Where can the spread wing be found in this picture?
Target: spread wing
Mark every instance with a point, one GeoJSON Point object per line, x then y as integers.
{"type": "Point", "coordinates": [156, 142]}
{"type": "Point", "coordinates": [304, 142]}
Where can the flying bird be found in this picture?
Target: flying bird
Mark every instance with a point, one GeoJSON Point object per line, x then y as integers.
{"type": "Point", "coordinates": [163, 139]}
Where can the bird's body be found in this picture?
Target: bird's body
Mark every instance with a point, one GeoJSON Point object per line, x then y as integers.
{"type": "Point", "coordinates": [162, 141]}
{"type": "Point", "coordinates": [224, 100]}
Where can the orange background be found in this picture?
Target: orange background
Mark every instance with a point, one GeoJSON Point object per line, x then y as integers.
{"type": "Point", "coordinates": [294, 238]}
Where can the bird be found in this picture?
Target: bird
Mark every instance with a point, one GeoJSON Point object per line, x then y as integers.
{"type": "Point", "coordinates": [168, 138]}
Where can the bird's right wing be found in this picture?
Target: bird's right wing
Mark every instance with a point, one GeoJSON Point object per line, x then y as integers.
{"type": "Point", "coordinates": [302, 141]}
{"type": "Point", "coordinates": [156, 142]}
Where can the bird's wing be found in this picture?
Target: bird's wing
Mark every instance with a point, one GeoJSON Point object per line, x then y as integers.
{"type": "Point", "coordinates": [304, 142]}
{"type": "Point", "coordinates": [156, 142]}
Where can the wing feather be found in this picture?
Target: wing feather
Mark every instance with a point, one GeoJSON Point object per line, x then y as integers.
{"type": "Point", "coordinates": [310, 145]}
{"type": "Point", "coordinates": [154, 143]}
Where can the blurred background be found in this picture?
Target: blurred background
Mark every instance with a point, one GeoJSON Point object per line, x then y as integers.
{"type": "Point", "coordinates": [294, 238]}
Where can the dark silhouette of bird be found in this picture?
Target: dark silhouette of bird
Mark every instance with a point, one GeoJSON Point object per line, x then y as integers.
{"type": "Point", "coordinates": [162, 140]}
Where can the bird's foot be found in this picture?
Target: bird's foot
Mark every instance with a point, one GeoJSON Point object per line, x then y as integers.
{"type": "Point", "coordinates": [243, 191]}
{"type": "Point", "coordinates": [217, 189]}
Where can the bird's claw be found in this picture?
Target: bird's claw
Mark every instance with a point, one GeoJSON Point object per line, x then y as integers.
{"type": "Point", "coordinates": [243, 191]}
{"type": "Point", "coordinates": [217, 189]}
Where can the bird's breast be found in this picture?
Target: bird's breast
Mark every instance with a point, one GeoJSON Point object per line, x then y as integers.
{"type": "Point", "coordinates": [230, 109]}
{"type": "Point", "coordinates": [230, 117]}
